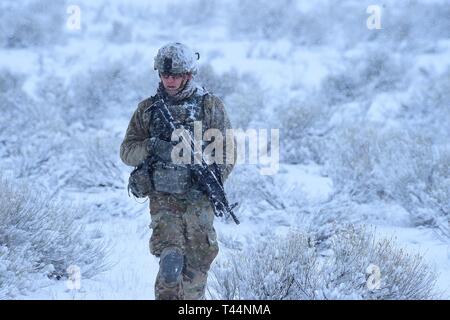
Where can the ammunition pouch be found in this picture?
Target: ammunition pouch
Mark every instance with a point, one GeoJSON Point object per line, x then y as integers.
{"type": "Point", "coordinates": [139, 182]}
{"type": "Point", "coordinates": [171, 178]}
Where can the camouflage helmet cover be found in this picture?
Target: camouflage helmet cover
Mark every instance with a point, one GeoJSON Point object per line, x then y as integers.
{"type": "Point", "coordinates": [176, 58]}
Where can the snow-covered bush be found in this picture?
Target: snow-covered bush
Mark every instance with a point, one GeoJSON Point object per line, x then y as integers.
{"type": "Point", "coordinates": [263, 194]}
{"type": "Point", "coordinates": [28, 131]}
{"type": "Point", "coordinates": [98, 165]}
{"type": "Point", "coordinates": [32, 133]}
{"type": "Point", "coordinates": [52, 90]}
{"type": "Point", "coordinates": [404, 26]}
{"type": "Point", "coordinates": [241, 93]}
{"type": "Point", "coordinates": [414, 25]}
{"type": "Point", "coordinates": [427, 199]}
{"type": "Point", "coordinates": [394, 165]}
{"type": "Point", "coordinates": [427, 109]}
{"type": "Point", "coordinates": [368, 163]}
{"type": "Point", "coordinates": [270, 21]}
{"type": "Point", "coordinates": [13, 104]}
{"type": "Point", "coordinates": [292, 267]}
{"type": "Point", "coordinates": [31, 23]}
{"type": "Point", "coordinates": [181, 13]}
{"type": "Point", "coordinates": [106, 90]}
{"type": "Point", "coordinates": [121, 32]}
{"type": "Point", "coordinates": [364, 76]}
{"type": "Point", "coordinates": [24, 115]}
{"type": "Point", "coordinates": [276, 269]}
{"type": "Point", "coordinates": [41, 237]}
{"type": "Point", "coordinates": [304, 124]}
{"type": "Point", "coordinates": [38, 156]}
{"type": "Point", "coordinates": [438, 181]}
{"type": "Point", "coordinates": [393, 272]}
{"type": "Point", "coordinates": [222, 85]}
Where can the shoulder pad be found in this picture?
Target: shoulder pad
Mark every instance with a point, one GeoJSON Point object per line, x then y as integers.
{"type": "Point", "coordinates": [211, 98]}
{"type": "Point", "coordinates": [146, 103]}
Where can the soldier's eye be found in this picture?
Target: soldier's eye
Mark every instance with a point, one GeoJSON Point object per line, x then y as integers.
{"type": "Point", "coordinates": [175, 76]}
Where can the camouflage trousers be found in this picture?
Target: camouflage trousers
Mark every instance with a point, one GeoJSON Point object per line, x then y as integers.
{"type": "Point", "coordinates": [187, 225]}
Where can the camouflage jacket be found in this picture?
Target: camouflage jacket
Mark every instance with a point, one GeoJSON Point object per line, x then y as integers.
{"type": "Point", "coordinates": [133, 149]}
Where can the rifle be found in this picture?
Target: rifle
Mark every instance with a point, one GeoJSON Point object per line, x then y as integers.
{"type": "Point", "coordinates": [209, 179]}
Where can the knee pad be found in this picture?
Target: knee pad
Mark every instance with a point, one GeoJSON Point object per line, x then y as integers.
{"type": "Point", "coordinates": [171, 266]}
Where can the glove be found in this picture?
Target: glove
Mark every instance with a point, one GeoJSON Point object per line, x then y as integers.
{"type": "Point", "coordinates": [160, 148]}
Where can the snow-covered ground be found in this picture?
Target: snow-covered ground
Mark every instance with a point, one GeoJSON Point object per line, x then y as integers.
{"type": "Point", "coordinates": [133, 270]}
{"type": "Point", "coordinates": [284, 70]}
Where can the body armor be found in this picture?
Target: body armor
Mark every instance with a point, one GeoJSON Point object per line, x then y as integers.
{"type": "Point", "coordinates": [166, 176]}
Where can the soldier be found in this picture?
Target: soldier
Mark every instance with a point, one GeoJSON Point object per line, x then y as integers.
{"type": "Point", "coordinates": [183, 236]}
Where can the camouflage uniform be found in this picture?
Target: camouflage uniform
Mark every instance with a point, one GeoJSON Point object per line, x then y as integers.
{"type": "Point", "coordinates": [180, 221]}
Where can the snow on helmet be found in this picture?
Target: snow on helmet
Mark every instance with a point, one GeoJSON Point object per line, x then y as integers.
{"type": "Point", "coordinates": [176, 58]}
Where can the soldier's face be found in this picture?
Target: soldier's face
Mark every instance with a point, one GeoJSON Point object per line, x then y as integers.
{"type": "Point", "coordinates": [174, 82]}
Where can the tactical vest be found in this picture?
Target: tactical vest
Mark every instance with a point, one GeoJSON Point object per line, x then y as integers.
{"type": "Point", "coordinates": [168, 177]}
{"type": "Point", "coordinates": [186, 112]}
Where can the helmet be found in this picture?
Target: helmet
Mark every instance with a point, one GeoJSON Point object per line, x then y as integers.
{"type": "Point", "coordinates": [176, 58]}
